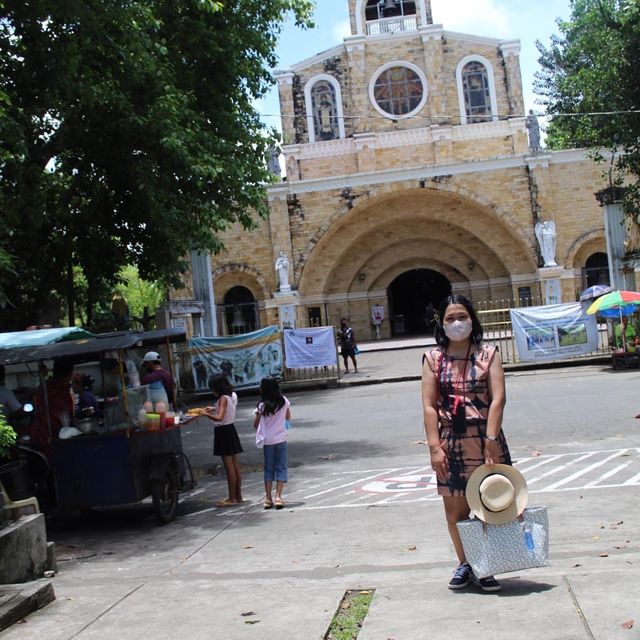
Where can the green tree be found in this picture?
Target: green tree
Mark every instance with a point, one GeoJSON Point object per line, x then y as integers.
{"type": "Point", "coordinates": [129, 137]}
{"type": "Point", "coordinates": [589, 86]}
{"type": "Point", "coordinates": [142, 296]}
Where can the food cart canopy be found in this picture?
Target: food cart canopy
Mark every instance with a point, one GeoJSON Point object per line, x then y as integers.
{"type": "Point", "coordinates": [41, 337]}
{"type": "Point", "coordinates": [85, 345]}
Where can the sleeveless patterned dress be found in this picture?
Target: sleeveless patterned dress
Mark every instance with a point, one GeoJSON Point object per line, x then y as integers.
{"type": "Point", "coordinates": [464, 446]}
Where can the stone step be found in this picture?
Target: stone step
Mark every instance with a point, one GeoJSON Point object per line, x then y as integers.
{"type": "Point", "coordinates": [19, 600]}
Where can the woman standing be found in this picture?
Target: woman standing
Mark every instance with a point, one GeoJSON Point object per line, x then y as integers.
{"type": "Point", "coordinates": [463, 399]}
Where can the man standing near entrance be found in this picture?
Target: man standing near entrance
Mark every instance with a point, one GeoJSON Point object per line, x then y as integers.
{"type": "Point", "coordinates": [347, 345]}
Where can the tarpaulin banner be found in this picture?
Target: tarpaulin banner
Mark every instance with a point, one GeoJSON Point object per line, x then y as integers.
{"type": "Point", "coordinates": [310, 348]}
{"type": "Point", "coordinates": [554, 332]}
{"type": "Point", "coordinates": [245, 359]}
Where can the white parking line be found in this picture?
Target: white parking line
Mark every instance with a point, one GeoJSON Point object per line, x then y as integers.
{"type": "Point", "coordinates": [608, 474]}
{"type": "Point", "coordinates": [348, 484]}
{"type": "Point", "coordinates": [583, 472]}
{"type": "Point", "coordinates": [561, 467]}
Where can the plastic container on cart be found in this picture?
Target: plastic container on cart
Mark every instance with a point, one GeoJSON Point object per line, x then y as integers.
{"type": "Point", "coordinates": [152, 422]}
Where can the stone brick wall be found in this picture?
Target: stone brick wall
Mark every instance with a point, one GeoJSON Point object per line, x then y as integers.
{"type": "Point", "coordinates": [416, 193]}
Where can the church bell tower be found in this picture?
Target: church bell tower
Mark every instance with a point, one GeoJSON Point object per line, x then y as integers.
{"type": "Point", "coordinates": [379, 17]}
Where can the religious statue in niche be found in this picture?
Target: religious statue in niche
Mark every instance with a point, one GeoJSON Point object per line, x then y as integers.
{"type": "Point", "coordinates": [282, 269]}
{"type": "Point", "coordinates": [546, 234]}
{"type": "Point", "coordinates": [325, 116]}
{"type": "Point", "coordinates": [534, 132]}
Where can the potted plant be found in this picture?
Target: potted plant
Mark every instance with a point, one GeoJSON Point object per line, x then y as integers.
{"type": "Point", "coordinates": [12, 472]}
{"type": "Point", "coordinates": [7, 440]}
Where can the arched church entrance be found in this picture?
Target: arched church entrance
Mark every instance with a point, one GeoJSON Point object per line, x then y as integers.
{"type": "Point", "coordinates": [413, 297]}
{"type": "Point", "coordinates": [240, 311]}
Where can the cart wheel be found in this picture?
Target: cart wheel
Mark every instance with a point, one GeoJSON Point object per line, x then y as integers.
{"type": "Point", "coordinates": [164, 494]}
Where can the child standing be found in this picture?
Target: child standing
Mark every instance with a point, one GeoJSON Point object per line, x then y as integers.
{"type": "Point", "coordinates": [271, 416]}
{"type": "Point", "coordinates": [225, 437]}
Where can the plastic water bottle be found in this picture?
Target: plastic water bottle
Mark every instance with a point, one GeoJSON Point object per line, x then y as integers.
{"type": "Point", "coordinates": [528, 537]}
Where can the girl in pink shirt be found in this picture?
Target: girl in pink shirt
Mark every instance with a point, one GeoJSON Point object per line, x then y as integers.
{"type": "Point", "coordinates": [271, 417]}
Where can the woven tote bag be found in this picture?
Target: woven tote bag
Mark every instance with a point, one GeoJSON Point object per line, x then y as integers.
{"type": "Point", "coordinates": [492, 549]}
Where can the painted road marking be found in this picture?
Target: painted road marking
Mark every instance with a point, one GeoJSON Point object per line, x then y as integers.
{"type": "Point", "coordinates": [562, 472]}
{"type": "Point", "coordinates": [584, 470]}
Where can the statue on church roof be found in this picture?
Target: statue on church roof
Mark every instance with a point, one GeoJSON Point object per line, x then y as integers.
{"type": "Point", "coordinates": [534, 132]}
{"type": "Point", "coordinates": [273, 162]}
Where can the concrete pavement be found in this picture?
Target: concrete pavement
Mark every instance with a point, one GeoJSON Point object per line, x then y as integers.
{"type": "Point", "coordinates": [244, 572]}
{"type": "Point", "coordinates": [249, 573]}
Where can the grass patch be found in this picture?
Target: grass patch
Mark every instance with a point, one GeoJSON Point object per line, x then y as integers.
{"type": "Point", "coordinates": [348, 619]}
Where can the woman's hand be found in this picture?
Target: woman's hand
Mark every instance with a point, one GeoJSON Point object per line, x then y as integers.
{"type": "Point", "coordinates": [492, 453]}
{"type": "Point", "coordinates": [439, 463]}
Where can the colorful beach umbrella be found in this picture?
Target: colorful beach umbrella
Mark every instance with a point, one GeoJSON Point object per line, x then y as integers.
{"type": "Point", "coordinates": [614, 300]}
{"type": "Point", "coordinates": [595, 292]}
{"type": "Point", "coordinates": [618, 302]}
{"type": "Point", "coordinates": [629, 310]}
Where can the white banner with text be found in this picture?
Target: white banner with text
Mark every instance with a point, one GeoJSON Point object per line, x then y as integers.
{"type": "Point", "coordinates": [554, 332]}
{"type": "Point", "coordinates": [313, 347]}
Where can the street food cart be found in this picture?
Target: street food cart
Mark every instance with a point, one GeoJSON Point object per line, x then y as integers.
{"type": "Point", "coordinates": [120, 462]}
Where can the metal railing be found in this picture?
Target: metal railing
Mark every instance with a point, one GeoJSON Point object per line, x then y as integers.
{"type": "Point", "coordinates": [391, 25]}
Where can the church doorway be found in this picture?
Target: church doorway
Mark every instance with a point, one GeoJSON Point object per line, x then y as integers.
{"type": "Point", "coordinates": [414, 296]}
{"type": "Point", "coordinates": [239, 311]}
{"type": "Point", "coordinates": [596, 270]}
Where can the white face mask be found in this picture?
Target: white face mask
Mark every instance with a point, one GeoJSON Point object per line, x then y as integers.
{"type": "Point", "coordinates": [458, 330]}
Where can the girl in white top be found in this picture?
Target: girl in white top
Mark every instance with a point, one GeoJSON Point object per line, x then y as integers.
{"type": "Point", "coordinates": [270, 422]}
{"type": "Point", "coordinates": [225, 437]}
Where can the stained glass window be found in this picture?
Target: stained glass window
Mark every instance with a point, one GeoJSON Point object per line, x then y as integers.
{"type": "Point", "coordinates": [325, 112]}
{"type": "Point", "coordinates": [477, 97]}
{"type": "Point", "coordinates": [398, 91]}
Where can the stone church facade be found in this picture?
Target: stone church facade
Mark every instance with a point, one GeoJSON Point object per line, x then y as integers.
{"type": "Point", "coordinates": [410, 174]}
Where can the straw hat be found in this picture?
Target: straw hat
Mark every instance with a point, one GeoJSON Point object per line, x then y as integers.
{"type": "Point", "coordinates": [497, 495]}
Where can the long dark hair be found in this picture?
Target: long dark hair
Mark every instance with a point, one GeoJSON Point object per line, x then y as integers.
{"type": "Point", "coordinates": [476, 327]}
{"type": "Point", "coordinates": [220, 385]}
{"type": "Point", "coordinates": [272, 397]}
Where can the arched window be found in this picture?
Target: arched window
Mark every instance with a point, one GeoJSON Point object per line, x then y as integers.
{"type": "Point", "coordinates": [476, 90]}
{"type": "Point", "coordinates": [324, 109]}
{"type": "Point", "coordinates": [475, 85]}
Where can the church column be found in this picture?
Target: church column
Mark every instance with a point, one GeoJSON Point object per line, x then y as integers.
{"type": "Point", "coordinates": [614, 227]}
{"type": "Point", "coordinates": [285, 92]}
{"type": "Point", "coordinates": [434, 69]}
{"type": "Point", "coordinates": [357, 70]}
{"type": "Point", "coordinates": [202, 277]}
{"type": "Point", "coordinates": [511, 55]}
{"type": "Point", "coordinates": [425, 16]}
